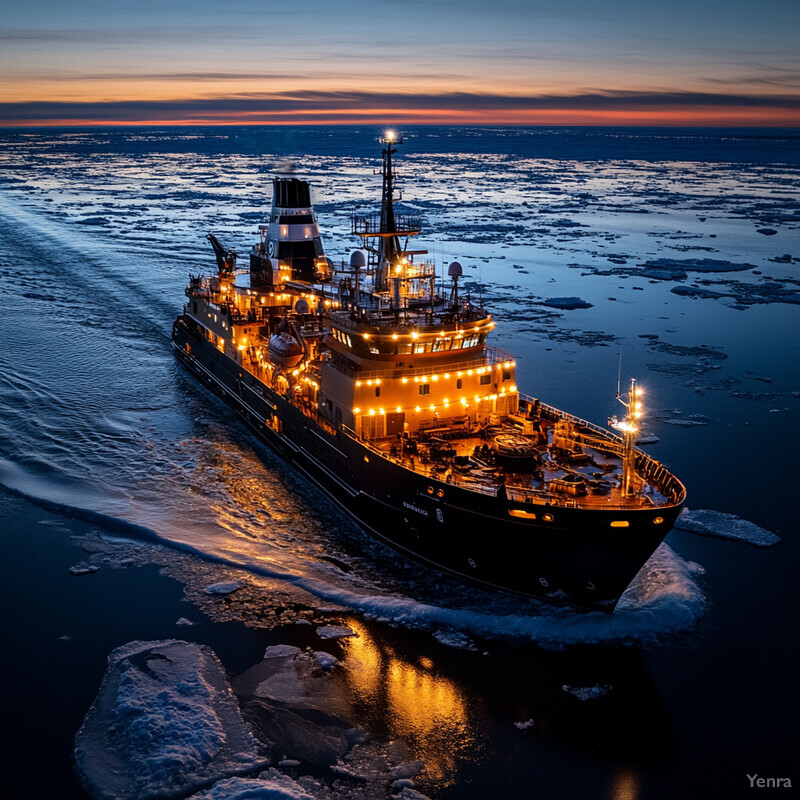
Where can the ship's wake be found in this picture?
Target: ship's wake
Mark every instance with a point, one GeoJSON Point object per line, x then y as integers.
{"type": "Point", "coordinates": [327, 562]}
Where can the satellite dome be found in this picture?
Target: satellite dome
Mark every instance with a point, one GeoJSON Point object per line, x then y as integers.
{"type": "Point", "coordinates": [358, 259]}
{"type": "Point", "coordinates": [455, 270]}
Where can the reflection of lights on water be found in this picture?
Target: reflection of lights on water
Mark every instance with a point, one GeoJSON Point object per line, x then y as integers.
{"type": "Point", "coordinates": [625, 786]}
{"type": "Point", "coordinates": [364, 664]}
{"type": "Point", "coordinates": [423, 708]}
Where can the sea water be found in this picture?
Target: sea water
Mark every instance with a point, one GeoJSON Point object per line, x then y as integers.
{"type": "Point", "coordinates": [684, 247]}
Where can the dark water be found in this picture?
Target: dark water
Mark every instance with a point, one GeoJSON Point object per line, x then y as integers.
{"type": "Point", "coordinates": [693, 678]}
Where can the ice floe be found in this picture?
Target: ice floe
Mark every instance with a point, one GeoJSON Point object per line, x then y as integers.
{"type": "Point", "coordinates": [454, 639]}
{"type": "Point", "coordinates": [300, 710]}
{"type": "Point", "coordinates": [83, 569]}
{"type": "Point", "coordinates": [726, 526]}
{"type": "Point", "coordinates": [164, 723]}
{"type": "Point", "coordinates": [281, 650]}
{"type": "Point", "coordinates": [325, 660]}
{"type": "Point", "coordinates": [566, 303]}
{"type": "Point", "coordinates": [587, 692]}
{"type": "Point", "coordinates": [225, 587]}
{"type": "Point", "coordinates": [695, 265]}
{"type": "Point", "coordinates": [335, 632]}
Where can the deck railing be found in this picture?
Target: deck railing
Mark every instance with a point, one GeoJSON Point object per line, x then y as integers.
{"type": "Point", "coordinates": [668, 485]}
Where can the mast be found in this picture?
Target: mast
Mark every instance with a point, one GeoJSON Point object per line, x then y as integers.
{"type": "Point", "coordinates": [628, 428]}
{"type": "Point", "coordinates": [389, 241]}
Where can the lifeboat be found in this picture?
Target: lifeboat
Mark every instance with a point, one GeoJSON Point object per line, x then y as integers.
{"type": "Point", "coordinates": [284, 350]}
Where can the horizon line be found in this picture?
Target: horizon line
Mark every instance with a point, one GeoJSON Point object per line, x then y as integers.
{"type": "Point", "coordinates": [54, 124]}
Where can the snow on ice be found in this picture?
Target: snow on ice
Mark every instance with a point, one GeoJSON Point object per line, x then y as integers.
{"type": "Point", "coordinates": [271, 785]}
{"type": "Point", "coordinates": [164, 723]}
{"type": "Point", "coordinates": [726, 526]}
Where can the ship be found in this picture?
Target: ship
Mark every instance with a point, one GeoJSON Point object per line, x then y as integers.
{"type": "Point", "coordinates": [378, 383]}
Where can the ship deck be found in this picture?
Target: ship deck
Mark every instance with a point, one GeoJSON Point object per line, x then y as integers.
{"type": "Point", "coordinates": [467, 460]}
{"type": "Point", "coordinates": [464, 456]}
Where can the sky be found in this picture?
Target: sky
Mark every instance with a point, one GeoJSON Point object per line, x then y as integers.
{"type": "Point", "coordinates": [569, 62]}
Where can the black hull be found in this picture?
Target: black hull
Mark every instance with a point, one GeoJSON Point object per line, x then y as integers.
{"type": "Point", "coordinates": [577, 558]}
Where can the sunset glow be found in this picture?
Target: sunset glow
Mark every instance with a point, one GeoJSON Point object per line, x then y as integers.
{"type": "Point", "coordinates": [703, 63]}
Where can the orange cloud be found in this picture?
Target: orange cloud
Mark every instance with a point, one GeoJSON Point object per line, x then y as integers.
{"type": "Point", "coordinates": [460, 108]}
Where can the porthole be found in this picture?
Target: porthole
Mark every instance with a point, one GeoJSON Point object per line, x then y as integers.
{"type": "Point", "coordinates": [430, 490]}
{"type": "Point", "coordinates": [547, 517]}
{"type": "Point", "coordinates": [658, 520]}
{"type": "Point", "coordinates": [440, 492]}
